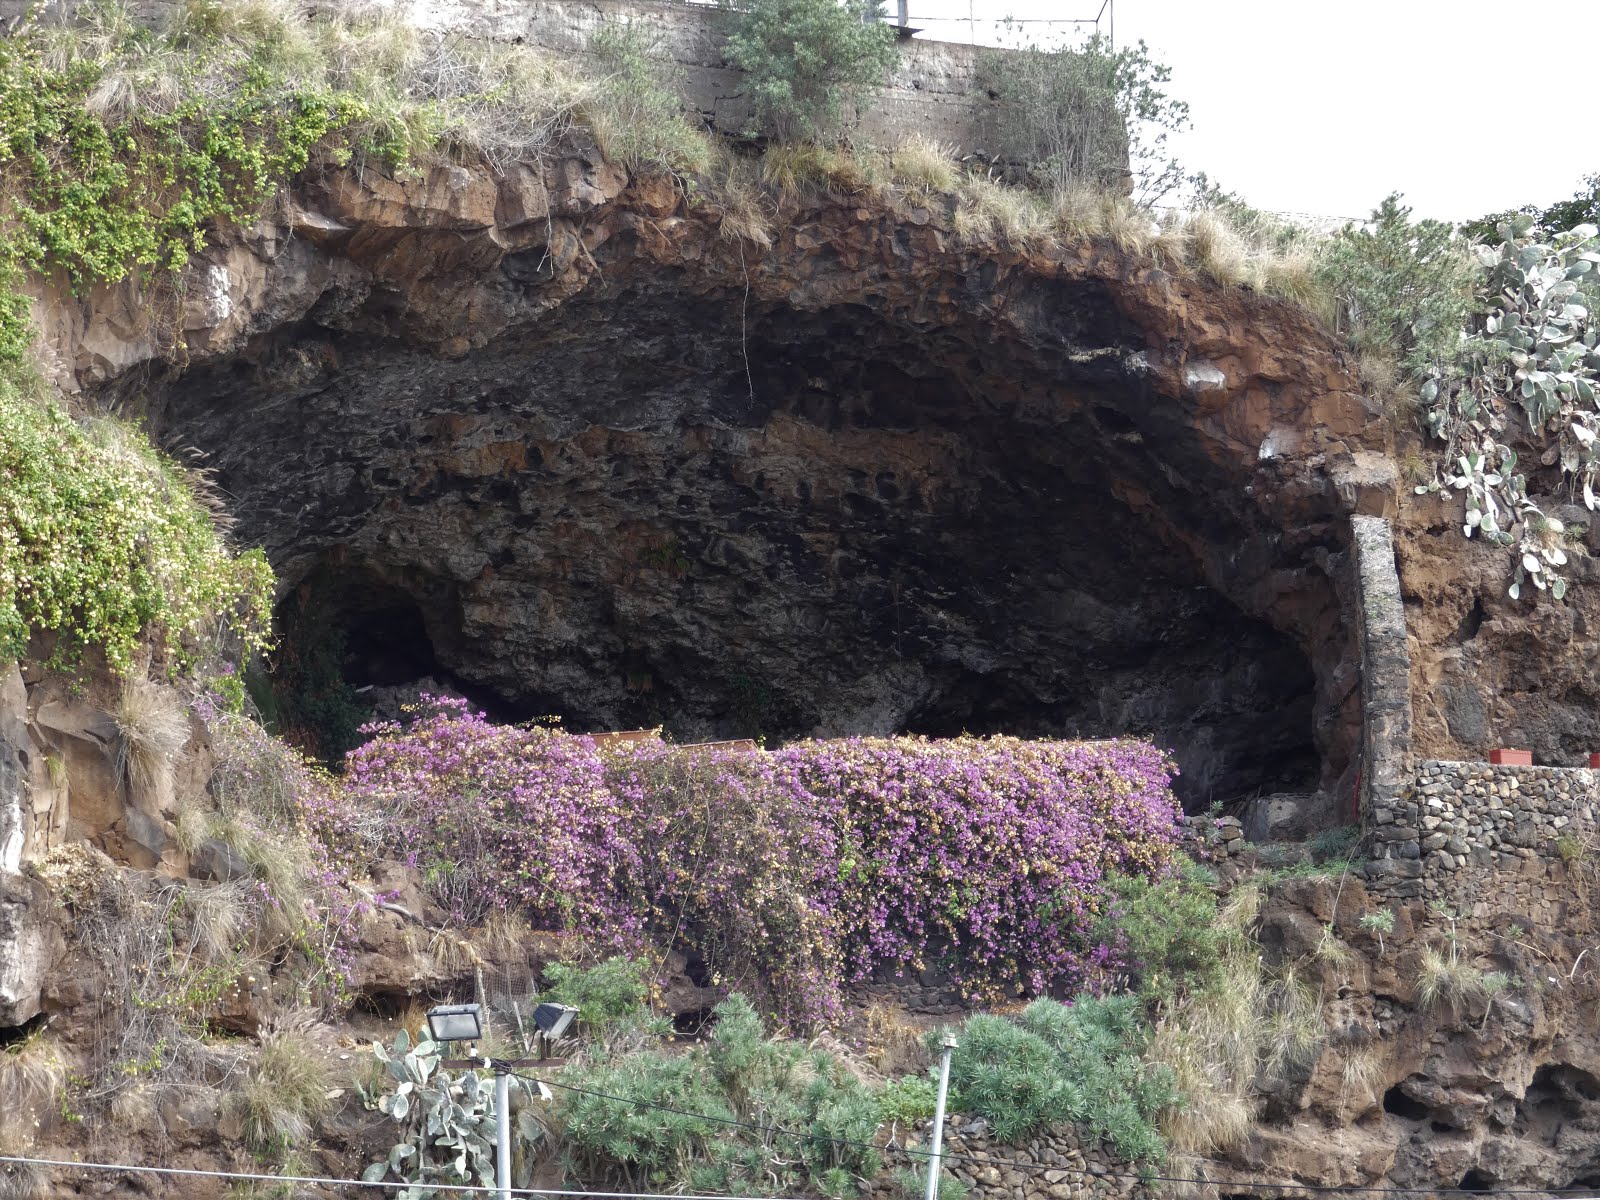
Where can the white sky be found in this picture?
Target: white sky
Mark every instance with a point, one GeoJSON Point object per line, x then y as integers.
{"type": "Point", "coordinates": [1325, 107]}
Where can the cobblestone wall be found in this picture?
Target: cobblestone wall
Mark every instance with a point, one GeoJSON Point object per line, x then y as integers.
{"type": "Point", "coordinates": [1054, 1165]}
{"type": "Point", "coordinates": [1457, 821]}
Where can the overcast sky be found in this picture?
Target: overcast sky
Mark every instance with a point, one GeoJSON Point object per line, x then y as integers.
{"type": "Point", "coordinates": [1325, 107]}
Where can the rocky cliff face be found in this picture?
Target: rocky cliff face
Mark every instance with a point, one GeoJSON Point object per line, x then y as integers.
{"type": "Point", "coordinates": [558, 436]}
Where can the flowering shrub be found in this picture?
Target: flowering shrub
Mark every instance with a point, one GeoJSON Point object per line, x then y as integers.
{"type": "Point", "coordinates": [496, 815]}
{"type": "Point", "coordinates": [792, 873]}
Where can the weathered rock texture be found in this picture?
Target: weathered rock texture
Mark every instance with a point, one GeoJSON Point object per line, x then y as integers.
{"type": "Point", "coordinates": [556, 435]}
{"type": "Point", "coordinates": [1487, 670]}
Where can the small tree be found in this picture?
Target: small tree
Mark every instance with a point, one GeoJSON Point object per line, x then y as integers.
{"type": "Point", "coordinates": [1404, 287]}
{"type": "Point", "coordinates": [1087, 115]}
{"type": "Point", "coordinates": [806, 61]}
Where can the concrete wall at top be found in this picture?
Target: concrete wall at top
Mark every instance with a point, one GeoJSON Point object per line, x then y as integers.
{"type": "Point", "coordinates": [931, 90]}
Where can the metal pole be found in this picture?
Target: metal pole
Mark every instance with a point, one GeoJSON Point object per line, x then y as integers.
{"type": "Point", "coordinates": [905, 13]}
{"type": "Point", "coordinates": [502, 1136]}
{"type": "Point", "coordinates": [938, 1119]}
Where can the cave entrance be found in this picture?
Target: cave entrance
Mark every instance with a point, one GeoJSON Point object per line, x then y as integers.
{"type": "Point", "coordinates": [764, 522]}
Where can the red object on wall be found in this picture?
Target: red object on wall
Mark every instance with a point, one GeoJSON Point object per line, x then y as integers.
{"type": "Point", "coordinates": [1513, 758]}
{"type": "Point", "coordinates": [1594, 761]}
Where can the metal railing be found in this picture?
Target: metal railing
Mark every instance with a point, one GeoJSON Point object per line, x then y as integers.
{"type": "Point", "coordinates": [904, 18]}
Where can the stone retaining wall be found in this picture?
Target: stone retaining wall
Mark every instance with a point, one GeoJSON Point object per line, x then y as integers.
{"type": "Point", "coordinates": [930, 91]}
{"type": "Point", "coordinates": [1054, 1165]}
{"type": "Point", "coordinates": [1458, 821]}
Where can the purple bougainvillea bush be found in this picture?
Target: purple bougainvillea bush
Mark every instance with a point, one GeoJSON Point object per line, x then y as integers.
{"type": "Point", "coordinates": [792, 873]}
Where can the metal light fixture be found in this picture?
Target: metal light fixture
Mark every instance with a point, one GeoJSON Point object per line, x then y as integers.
{"type": "Point", "coordinates": [455, 1022]}
{"type": "Point", "coordinates": [554, 1020]}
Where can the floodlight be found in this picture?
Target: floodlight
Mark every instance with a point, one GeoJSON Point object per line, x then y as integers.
{"type": "Point", "coordinates": [553, 1020]}
{"type": "Point", "coordinates": [455, 1022]}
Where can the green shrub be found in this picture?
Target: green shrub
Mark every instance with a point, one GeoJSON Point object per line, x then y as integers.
{"type": "Point", "coordinates": [1084, 116]}
{"type": "Point", "coordinates": [1167, 933]}
{"type": "Point", "coordinates": [1333, 844]}
{"type": "Point", "coordinates": [913, 1184]}
{"type": "Point", "coordinates": [102, 542]}
{"type": "Point", "coordinates": [1404, 287]}
{"type": "Point", "coordinates": [605, 994]}
{"type": "Point", "coordinates": [806, 61]}
{"type": "Point", "coordinates": [1080, 1063]}
{"type": "Point", "coordinates": [819, 1120]}
{"type": "Point", "coordinates": [911, 1098]}
{"type": "Point", "coordinates": [637, 111]}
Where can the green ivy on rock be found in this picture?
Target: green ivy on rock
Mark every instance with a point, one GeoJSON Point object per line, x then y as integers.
{"type": "Point", "coordinates": [98, 198]}
{"type": "Point", "coordinates": [103, 542]}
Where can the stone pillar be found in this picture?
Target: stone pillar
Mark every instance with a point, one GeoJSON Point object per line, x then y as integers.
{"type": "Point", "coordinates": [1385, 668]}
{"type": "Point", "coordinates": [15, 803]}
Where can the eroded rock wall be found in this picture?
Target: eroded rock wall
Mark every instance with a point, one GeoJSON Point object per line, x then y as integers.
{"type": "Point", "coordinates": [618, 465]}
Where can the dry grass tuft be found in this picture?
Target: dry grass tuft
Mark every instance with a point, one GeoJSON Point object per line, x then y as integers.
{"type": "Point", "coordinates": [284, 1093]}
{"type": "Point", "coordinates": [134, 1108]}
{"type": "Point", "coordinates": [794, 172]}
{"type": "Point", "coordinates": [503, 935]}
{"type": "Point", "coordinates": [1331, 950]}
{"type": "Point", "coordinates": [988, 211]}
{"type": "Point", "coordinates": [1221, 1041]}
{"type": "Point", "coordinates": [281, 862]}
{"type": "Point", "coordinates": [21, 1180]}
{"type": "Point", "coordinates": [152, 727]}
{"type": "Point", "coordinates": [1216, 248]}
{"type": "Point", "coordinates": [744, 213]}
{"type": "Point", "coordinates": [1362, 1077]}
{"type": "Point", "coordinates": [1127, 225]}
{"type": "Point", "coordinates": [924, 167]}
{"type": "Point", "coordinates": [32, 1075]}
{"type": "Point", "coordinates": [217, 917]}
{"type": "Point", "coordinates": [1443, 977]}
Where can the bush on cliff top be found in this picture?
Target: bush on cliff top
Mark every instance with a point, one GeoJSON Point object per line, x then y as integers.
{"type": "Point", "coordinates": [793, 872]}
{"type": "Point", "coordinates": [103, 543]}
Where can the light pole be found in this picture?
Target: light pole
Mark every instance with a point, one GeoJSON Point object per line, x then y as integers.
{"type": "Point", "coordinates": [464, 1023]}
{"type": "Point", "coordinates": [938, 1119]}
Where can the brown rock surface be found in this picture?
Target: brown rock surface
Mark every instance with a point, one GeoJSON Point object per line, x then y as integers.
{"type": "Point", "coordinates": [553, 437]}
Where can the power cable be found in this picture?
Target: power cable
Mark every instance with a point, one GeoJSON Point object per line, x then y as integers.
{"type": "Point", "coordinates": [481, 1189]}
{"type": "Point", "coordinates": [1034, 1168]}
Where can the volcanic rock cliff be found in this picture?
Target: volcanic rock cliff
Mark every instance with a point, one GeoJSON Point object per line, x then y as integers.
{"type": "Point", "coordinates": [569, 440]}
{"type": "Point", "coordinates": [585, 444]}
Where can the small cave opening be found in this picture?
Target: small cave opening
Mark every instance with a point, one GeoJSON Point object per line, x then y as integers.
{"type": "Point", "coordinates": [1558, 1094]}
{"type": "Point", "coordinates": [353, 647]}
{"type": "Point", "coordinates": [1399, 1104]}
{"type": "Point", "coordinates": [1476, 1181]}
{"type": "Point", "coordinates": [14, 1035]}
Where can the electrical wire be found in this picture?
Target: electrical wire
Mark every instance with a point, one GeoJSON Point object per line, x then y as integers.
{"type": "Point", "coordinates": [481, 1189]}
{"type": "Point", "coordinates": [1033, 1168]}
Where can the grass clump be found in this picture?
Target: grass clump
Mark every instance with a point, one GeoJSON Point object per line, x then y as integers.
{"type": "Point", "coordinates": [1444, 977]}
{"type": "Point", "coordinates": [924, 167]}
{"type": "Point", "coordinates": [636, 113]}
{"type": "Point", "coordinates": [102, 544]}
{"type": "Point", "coordinates": [152, 727]}
{"type": "Point", "coordinates": [282, 1095]}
